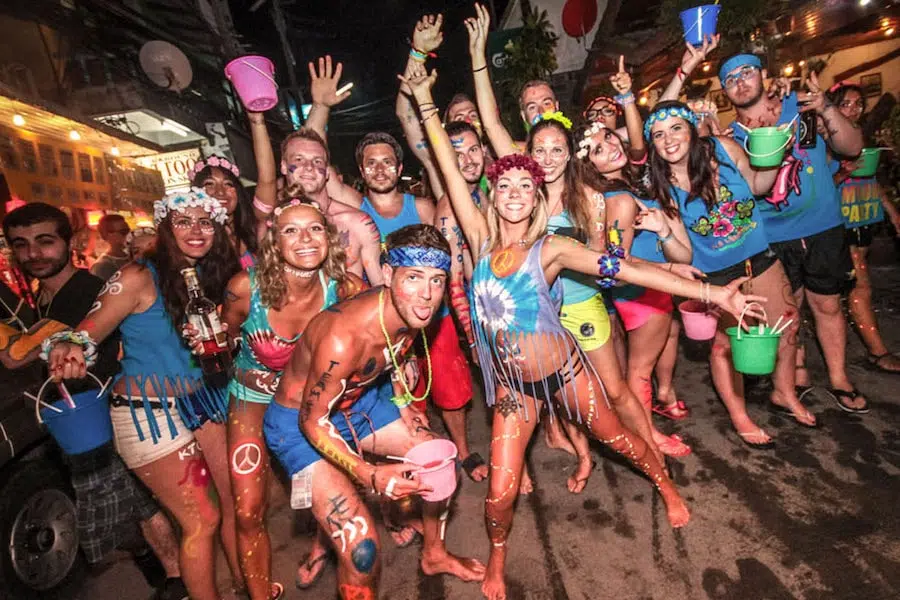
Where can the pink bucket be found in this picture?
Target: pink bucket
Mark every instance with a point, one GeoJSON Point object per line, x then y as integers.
{"type": "Point", "coordinates": [253, 78]}
{"type": "Point", "coordinates": [699, 322]}
{"type": "Point", "coordinates": [438, 457]}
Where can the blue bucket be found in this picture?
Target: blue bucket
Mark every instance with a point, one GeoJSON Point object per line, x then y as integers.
{"type": "Point", "coordinates": [699, 22]}
{"type": "Point", "coordinates": [79, 429]}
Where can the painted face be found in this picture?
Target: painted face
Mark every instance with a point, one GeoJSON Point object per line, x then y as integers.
{"type": "Point", "coordinates": [221, 187]}
{"type": "Point", "coordinates": [416, 292]}
{"type": "Point", "coordinates": [514, 195]}
{"type": "Point", "coordinates": [305, 162]}
{"type": "Point", "coordinates": [852, 105]}
{"type": "Point", "coordinates": [744, 86]}
{"type": "Point", "coordinates": [536, 101]}
{"type": "Point", "coordinates": [671, 138]}
{"type": "Point", "coordinates": [550, 150]}
{"type": "Point", "coordinates": [194, 230]}
{"type": "Point", "coordinates": [379, 168]}
{"type": "Point", "coordinates": [302, 238]}
{"type": "Point", "coordinates": [470, 155]}
{"type": "Point", "coordinates": [39, 250]}
{"type": "Point", "coordinates": [607, 153]}
{"type": "Point", "coordinates": [463, 111]}
{"type": "Point", "coordinates": [602, 111]}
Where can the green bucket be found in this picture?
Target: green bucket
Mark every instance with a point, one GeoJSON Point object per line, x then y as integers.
{"type": "Point", "coordinates": [868, 158]}
{"type": "Point", "coordinates": [754, 353]}
{"type": "Point", "coordinates": [766, 145]}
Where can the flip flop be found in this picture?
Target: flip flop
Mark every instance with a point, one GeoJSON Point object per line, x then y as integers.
{"type": "Point", "coordinates": [674, 446]}
{"type": "Point", "coordinates": [310, 565]}
{"type": "Point", "coordinates": [770, 445]}
{"type": "Point", "coordinates": [472, 462]}
{"type": "Point", "coordinates": [854, 393]}
{"type": "Point", "coordinates": [676, 411]}
{"type": "Point", "coordinates": [279, 590]}
{"type": "Point", "coordinates": [784, 411]}
{"type": "Point", "coordinates": [415, 539]}
{"type": "Point", "coordinates": [873, 363]}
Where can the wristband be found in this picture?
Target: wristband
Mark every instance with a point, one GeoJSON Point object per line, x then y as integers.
{"type": "Point", "coordinates": [663, 240]}
{"type": "Point", "coordinates": [680, 74]}
{"type": "Point", "coordinates": [79, 338]}
{"type": "Point", "coordinates": [608, 267]}
{"type": "Point", "coordinates": [402, 400]}
{"type": "Point", "coordinates": [479, 69]}
{"type": "Point", "coordinates": [262, 206]}
{"type": "Point", "coordinates": [625, 99]}
{"type": "Point", "coordinates": [418, 55]}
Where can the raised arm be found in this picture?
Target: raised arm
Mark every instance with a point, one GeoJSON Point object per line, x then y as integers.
{"type": "Point", "coordinates": [427, 37]}
{"type": "Point", "coordinates": [761, 181]}
{"type": "Point", "coordinates": [445, 221]}
{"type": "Point", "coordinates": [841, 134]}
{"type": "Point", "coordinates": [691, 59]}
{"type": "Point", "coordinates": [633, 122]}
{"type": "Point", "coordinates": [366, 232]}
{"type": "Point", "coordinates": [323, 87]}
{"type": "Point", "coordinates": [499, 137]}
{"type": "Point", "coordinates": [473, 223]}
{"type": "Point", "coordinates": [267, 171]}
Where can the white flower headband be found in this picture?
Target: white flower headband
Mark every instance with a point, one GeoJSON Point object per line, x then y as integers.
{"type": "Point", "coordinates": [584, 146]}
{"type": "Point", "coordinates": [213, 161]}
{"type": "Point", "coordinates": [181, 201]}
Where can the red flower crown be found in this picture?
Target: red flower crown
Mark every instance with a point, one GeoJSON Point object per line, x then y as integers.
{"type": "Point", "coordinates": [515, 161]}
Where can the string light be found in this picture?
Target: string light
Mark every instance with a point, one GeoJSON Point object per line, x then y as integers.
{"type": "Point", "coordinates": [74, 136]}
{"type": "Point", "coordinates": [18, 120]}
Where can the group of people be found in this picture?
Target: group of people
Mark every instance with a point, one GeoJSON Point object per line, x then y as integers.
{"type": "Point", "coordinates": [558, 258]}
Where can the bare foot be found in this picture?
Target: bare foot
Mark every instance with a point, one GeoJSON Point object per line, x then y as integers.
{"type": "Point", "coordinates": [527, 486]}
{"type": "Point", "coordinates": [579, 478]}
{"type": "Point", "coordinates": [556, 437]}
{"type": "Point", "coordinates": [478, 473]}
{"type": "Point", "coordinates": [494, 587]}
{"type": "Point", "coordinates": [676, 509]}
{"type": "Point", "coordinates": [466, 569]}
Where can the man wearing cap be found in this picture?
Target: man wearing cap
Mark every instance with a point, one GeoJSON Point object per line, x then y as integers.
{"type": "Point", "coordinates": [802, 214]}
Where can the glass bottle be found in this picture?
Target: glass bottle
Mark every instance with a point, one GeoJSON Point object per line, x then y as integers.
{"type": "Point", "coordinates": [215, 357]}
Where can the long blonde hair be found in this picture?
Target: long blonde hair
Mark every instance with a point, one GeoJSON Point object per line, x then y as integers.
{"type": "Point", "coordinates": [536, 229]}
{"type": "Point", "coordinates": [270, 275]}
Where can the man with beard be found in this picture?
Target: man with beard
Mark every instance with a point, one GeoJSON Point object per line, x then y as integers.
{"type": "Point", "coordinates": [110, 501]}
{"type": "Point", "coordinates": [802, 215]}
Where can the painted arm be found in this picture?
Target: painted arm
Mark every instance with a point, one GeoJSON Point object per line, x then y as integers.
{"type": "Point", "coordinates": [633, 122]}
{"type": "Point", "coordinates": [841, 134]}
{"type": "Point", "coordinates": [470, 218]}
{"type": "Point", "coordinates": [761, 181]}
{"type": "Point", "coordinates": [445, 221]}
{"type": "Point", "coordinates": [366, 233]}
{"type": "Point", "coordinates": [267, 172]}
{"type": "Point", "coordinates": [499, 137]}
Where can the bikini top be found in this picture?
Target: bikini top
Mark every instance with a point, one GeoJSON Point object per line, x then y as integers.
{"type": "Point", "coordinates": [262, 349]}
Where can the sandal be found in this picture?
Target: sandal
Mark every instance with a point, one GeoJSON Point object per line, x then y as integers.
{"type": "Point", "coordinates": [802, 390]}
{"type": "Point", "coordinates": [757, 445]}
{"type": "Point", "coordinates": [874, 363]}
{"type": "Point", "coordinates": [674, 446]}
{"type": "Point", "coordinates": [784, 411]}
{"type": "Point", "coordinates": [676, 411]}
{"type": "Point", "coordinates": [472, 462]}
{"type": "Point", "coordinates": [279, 591]}
{"type": "Point", "coordinates": [414, 539]}
{"type": "Point", "coordinates": [854, 393]}
{"type": "Point", "coordinates": [309, 565]}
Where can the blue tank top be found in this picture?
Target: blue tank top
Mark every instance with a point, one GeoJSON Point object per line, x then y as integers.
{"type": "Point", "coordinates": [577, 287]}
{"type": "Point", "coordinates": [646, 246]}
{"type": "Point", "coordinates": [804, 200]}
{"type": "Point", "coordinates": [408, 215]}
{"type": "Point", "coordinates": [733, 230]}
{"type": "Point", "coordinates": [860, 199]}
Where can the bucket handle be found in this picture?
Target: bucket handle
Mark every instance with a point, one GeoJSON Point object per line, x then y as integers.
{"type": "Point", "coordinates": [697, 22]}
{"type": "Point", "coordinates": [260, 71]}
{"type": "Point", "coordinates": [740, 327]}
{"type": "Point", "coordinates": [772, 153]}
{"type": "Point", "coordinates": [37, 398]}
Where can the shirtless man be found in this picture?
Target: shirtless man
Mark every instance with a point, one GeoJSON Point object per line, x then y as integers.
{"type": "Point", "coordinates": [330, 384]}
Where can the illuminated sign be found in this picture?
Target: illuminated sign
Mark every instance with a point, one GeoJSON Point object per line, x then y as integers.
{"type": "Point", "coordinates": [174, 167]}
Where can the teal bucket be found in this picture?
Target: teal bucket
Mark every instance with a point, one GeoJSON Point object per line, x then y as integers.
{"type": "Point", "coordinates": [766, 145]}
{"type": "Point", "coordinates": [868, 159]}
{"type": "Point", "coordinates": [81, 428]}
{"type": "Point", "coordinates": [754, 353]}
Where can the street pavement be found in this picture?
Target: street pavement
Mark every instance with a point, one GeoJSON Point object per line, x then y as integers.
{"type": "Point", "coordinates": [815, 519]}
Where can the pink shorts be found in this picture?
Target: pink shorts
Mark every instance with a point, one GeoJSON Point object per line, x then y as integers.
{"type": "Point", "coordinates": [637, 311]}
{"type": "Point", "coordinates": [451, 385]}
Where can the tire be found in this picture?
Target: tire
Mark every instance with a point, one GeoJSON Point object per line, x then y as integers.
{"type": "Point", "coordinates": [39, 552]}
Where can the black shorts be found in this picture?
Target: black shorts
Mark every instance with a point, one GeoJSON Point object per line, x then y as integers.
{"type": "Point", "coordinates": [862, 237]}
{"type": "Point", "coordinates": [820, 263]}
{"type": "Point", "coordinates": [754, 266]}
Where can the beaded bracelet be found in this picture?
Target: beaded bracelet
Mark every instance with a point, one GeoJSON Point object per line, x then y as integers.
{"type": "Point", "coordinates": [608, 267]}
{"type": "Point", "coordinates": [402, 400]}
{"type": "Point", "coordinates": [79, 338]}
{"type": "Point", "coordinates": [625, 99]}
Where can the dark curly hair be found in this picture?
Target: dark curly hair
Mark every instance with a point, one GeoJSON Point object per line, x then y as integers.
{"type": "Point", "coordinates": [243, 219]}
{"type": "Point", "coordinates": [214, 269]}
{"type": "Point", "coordinates": [378, 137]}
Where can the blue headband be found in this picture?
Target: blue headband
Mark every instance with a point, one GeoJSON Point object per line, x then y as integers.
{"type": "Point", "coordinates": [418, 256]}
{"type": "Point", "coordinates": [664, 113]}
{"type": "Point", "coordinates": [739, 60]}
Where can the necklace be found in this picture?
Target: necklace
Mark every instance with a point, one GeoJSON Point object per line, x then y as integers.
{"type": "Point", "coordinates": [408, 395]}
{"type": "Point", "coordinates": [41, 313]}
{"type": "Point", "coordinates": [298, 272]}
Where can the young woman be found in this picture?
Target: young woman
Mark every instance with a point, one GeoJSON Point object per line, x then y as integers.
{"type": "Point", "coordinates": [711, 184]}
{"type": "Point", "coordinates": [300, 272]}
{"type": "Point", "coordinates": [528, 358]}
{"type": "Point", "coordinates": [864, 205]}
{"type": "Point", "coordinates": [647, 233]}
{"type": "Point", "coordinates": [168, 422]}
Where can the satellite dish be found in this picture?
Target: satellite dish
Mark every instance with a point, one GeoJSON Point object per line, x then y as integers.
{"type": "Point", "coordinates": [166, 65]}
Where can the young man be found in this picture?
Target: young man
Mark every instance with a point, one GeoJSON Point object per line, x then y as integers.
{"type": "Point", "coordinates": [536, 98]}
{"type": "Point", "coordinates": [110, 500]}
{"type": "Point", "coordinates": [802, 214]}
{"type": "Point", "coordinates": [330, 385]}
{"type": "Point", "coordinates": [114, 231]}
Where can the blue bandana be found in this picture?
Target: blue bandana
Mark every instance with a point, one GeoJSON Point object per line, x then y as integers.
{"type": "Point", "coordinates": [737, 61]}
{"type": "Point", "coordinates": [418, 256]}
{"type": "Point", "coordinates": [664, 113]}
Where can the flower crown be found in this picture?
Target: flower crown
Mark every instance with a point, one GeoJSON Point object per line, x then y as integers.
{"type": "Point", "coordinates": [515, 161]}
{"type": "Point", "coordinates": [558, 117]}
{"type": "Point", "coordinates": [664, 113]}
{"type": "Point", "coordinates": [291, 204]}
{"type": "Point", "coordinates": [584, 145]}
{"type": "Point", "coordinates": [213, 161]}
{"type": "Point", "coordinates": [181, 201]}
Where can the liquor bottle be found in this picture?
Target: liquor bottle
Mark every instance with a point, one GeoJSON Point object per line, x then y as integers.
{"type": "Point", "coordinates": [806, 136]}
{"type": "Point", "coordinates": [215, 357]}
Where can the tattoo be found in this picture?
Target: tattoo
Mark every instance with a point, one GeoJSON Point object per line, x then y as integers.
{"type": "Point", "coordinates": [507, 406]}
{"type": "Point", "coordinates": [316, 392]}
{"type": "Point", "coordinates": [421, 145]}
{"type": "Point", "coordinates": [371, 227]}
{"type": "Point", "coordinates": [345, 524]}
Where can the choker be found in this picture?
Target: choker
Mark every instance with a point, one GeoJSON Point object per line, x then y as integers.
{"type": "Point", "coordinates": [298, 272]}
